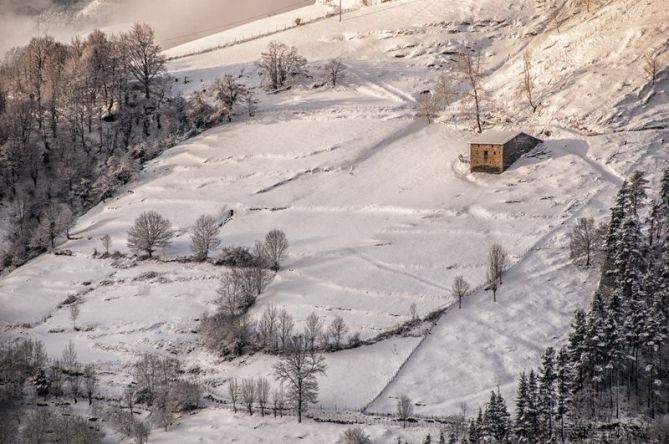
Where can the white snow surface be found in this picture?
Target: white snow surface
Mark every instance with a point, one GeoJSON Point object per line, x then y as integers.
{"type": "Point", "coordinates": [379, 210]}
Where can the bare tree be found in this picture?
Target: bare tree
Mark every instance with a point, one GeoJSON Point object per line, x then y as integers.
{"type": "Point", "coordinates": [204, 236]}
{"type": "Point", "coordinates": [585, 242]}
{"type": "Point", "coordinates": [404, 409]}
{"type": "Point", "coordinates": [443, 90]}
{"type": "Point", "coordinates": [55, 221]}
{"type": "Point", "coordinates": [497, 265]}
{"type": "Point", "coordinates": [231, 293]}
{"type": "Point", "coordinates": [233, 391]}
{"type": "Point", "coordinates": [74, 315]}
{"type": "Point", "coordinates": [337, 330]}
{"type": "Point", "coordinates": [286, 326]}
{"type": "Point", "coordinates": [469, 67]}
{"type": "Point", "coordinates": [278, 64]}
{"type": "Point", "coordinates": [228, 91]}
{"type": "Point", "coordinates": [278, 401]}
{"type": "Point", "coordinates": [248, 394]}
{"type": "Point", "coordinates": [460, 289]}
{"type": "Point", "coordinates": [90, 382]}
{"type": "Point", "coordinates": [69, 356]}
{"type": "Point", "coordinates": [413, 312]}
{"type": "Point", "coordinates": [74, 380]}
{"type": "Point", "coordinates": [334, 72]}
{"type": "Point", "coordinates": [145, 60]}
{"type": "Point", "coordinates": [427, 107]}
{"type": "Point", "coordinates": [106, 243]}
{"type": "Point", "coordinates": [299, 368]}
{"type": "Point", "coordinates": [650, 66]}
{"type": "Point", "coordinates": [313, 329]}
{"type": "Point", "coordinates": [149, 232]}
{"type": "Point", "coordinates": [267, 327]}
{"type": "Point", "coordinates": [262, 392]}
{"type": "Point", "coordinates": [527, 86]}
{"type": "Point", "coordinates": [276, 248]}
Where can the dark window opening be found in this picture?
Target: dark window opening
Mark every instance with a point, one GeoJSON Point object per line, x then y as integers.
{"type": "Point", "coordinates": [485, 155]}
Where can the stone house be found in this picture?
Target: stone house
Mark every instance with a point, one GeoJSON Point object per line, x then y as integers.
{"type": "Point", "coordinates": [495, 151]}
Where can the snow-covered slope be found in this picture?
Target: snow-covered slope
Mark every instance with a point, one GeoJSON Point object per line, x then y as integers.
{"type": "Point", "coordinates": [379, 210]}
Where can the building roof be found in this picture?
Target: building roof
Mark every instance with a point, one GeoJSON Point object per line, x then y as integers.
{"type": "Point", "coordinates": [495, 137]}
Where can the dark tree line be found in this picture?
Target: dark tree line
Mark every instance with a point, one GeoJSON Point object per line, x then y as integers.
{"type": "Point", "coordinates": [615, 365]}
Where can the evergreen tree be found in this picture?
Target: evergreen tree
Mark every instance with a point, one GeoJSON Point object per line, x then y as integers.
{"type": "Point", "coordinates": [576, 346]}
{"type": "Point", "coordinates": [564, 387]}
{"type": "Point", "coordinates": [428, 439]}
{"type": "Point", "coordinates": [522, 426]}
{"type": "Point", "coordinates": [496, 418]}
{"type": "Point", "coordinates": [442, 439]}
{"type": "Point", "coordinates": [664, 191]}
{"type": "Point", "coordinates": [452, 439]}
{"type": "Point", "coordinates": [531, 407]}
{"type": "Point", "coordinates": [547, 378]}
{"type": "Point", "coordinates": [475, 428]}
{"type": "Point", "coordinates": [41, 384]}
{"type": "Point", "coordinates": [637, 188]}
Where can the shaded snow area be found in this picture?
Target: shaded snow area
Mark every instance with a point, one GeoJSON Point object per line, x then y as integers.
{"type": "Point", "coordinates": [379, 208]}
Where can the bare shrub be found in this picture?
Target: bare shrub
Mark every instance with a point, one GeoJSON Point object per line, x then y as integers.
{"type": "Point", "coordinates": [355, 435]}
{"type": "Point", "coordinates": [469, 68]}
{"type": "Point", "coordinates": [527, 86]}
{"type": "Point", "coordinates": [248, 394]}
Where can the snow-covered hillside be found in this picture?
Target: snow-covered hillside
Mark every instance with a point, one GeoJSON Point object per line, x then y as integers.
{"type": "Point", "coordinates": [379, 209]}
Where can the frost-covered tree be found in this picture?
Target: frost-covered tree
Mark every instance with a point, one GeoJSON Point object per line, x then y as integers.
{"type": "Point", "coordinates": [404, 409]}
{"type": "Point", "coordinates": [233, 391]}
{"type": "Point", "coordinates": [275, 248]}
{"type": "Point", "coordinates": [90, 381]}
{"type": "Point", "coordinates": [460, 289]}
{"type": "Point", "coordinates": [298, 370]}
{"type": "Point", "coordinates": [586, 241]}
{"type": "Point", "coordinates": [496, 423]}
{"type": "Point", "coordinates": [229, 92]}
{"type": "Point", "coordinates": [145, 60]}
{"type": "Point", "coordinates": [204, 236]}
{"type": "Point", "coordinates": [54, 222]}
{"type": "Point", "coordinates": [278, 64]}
{"type": "Point", "coordinates": [428, 106]}
{"type": "Point", "coordinates": [313, 329]}
{"type": "Point", "coordinates": [337, 330]}
{"type": "Point", "coordinates": [334, 72]}
{"type": "Point", "coordinates": [248, 394]}
{"type": "Point", "coordinates": [262, 393]}
{"type": "Point", "coordinates": [149, 232]}
{"type": "Point", "coordinates": [469, 68]}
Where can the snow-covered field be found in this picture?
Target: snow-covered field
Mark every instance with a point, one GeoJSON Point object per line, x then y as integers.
{"type": "Point", "coordinates": [379, 210]}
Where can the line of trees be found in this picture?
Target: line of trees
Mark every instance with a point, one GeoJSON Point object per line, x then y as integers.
{"type": "Point", "coordinates": [76, 122]}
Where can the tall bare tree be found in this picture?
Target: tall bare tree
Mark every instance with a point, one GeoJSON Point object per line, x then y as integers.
{"type": "Point", "coordinates": [145, 60]}
{"type": "Point", "coordinates": [527, 87]}
{"type": "Point", "coordinates": [469, 67]}
{"type": "Point", "coordinates": [262, 393]}
{"type": "Point", "coordinates": [248, 393]}
{"type": "Point", "coordinates": [298, 369]}
{"type": "Point", "coordinates": [498, 263]}
{"type": "Point", "coordinates": [337, 330]}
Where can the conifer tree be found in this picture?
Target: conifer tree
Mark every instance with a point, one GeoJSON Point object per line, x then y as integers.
{"type": "Point", "coordinates": [564, 387]}
{"type": "Point", "coordinates": [547, 378]}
